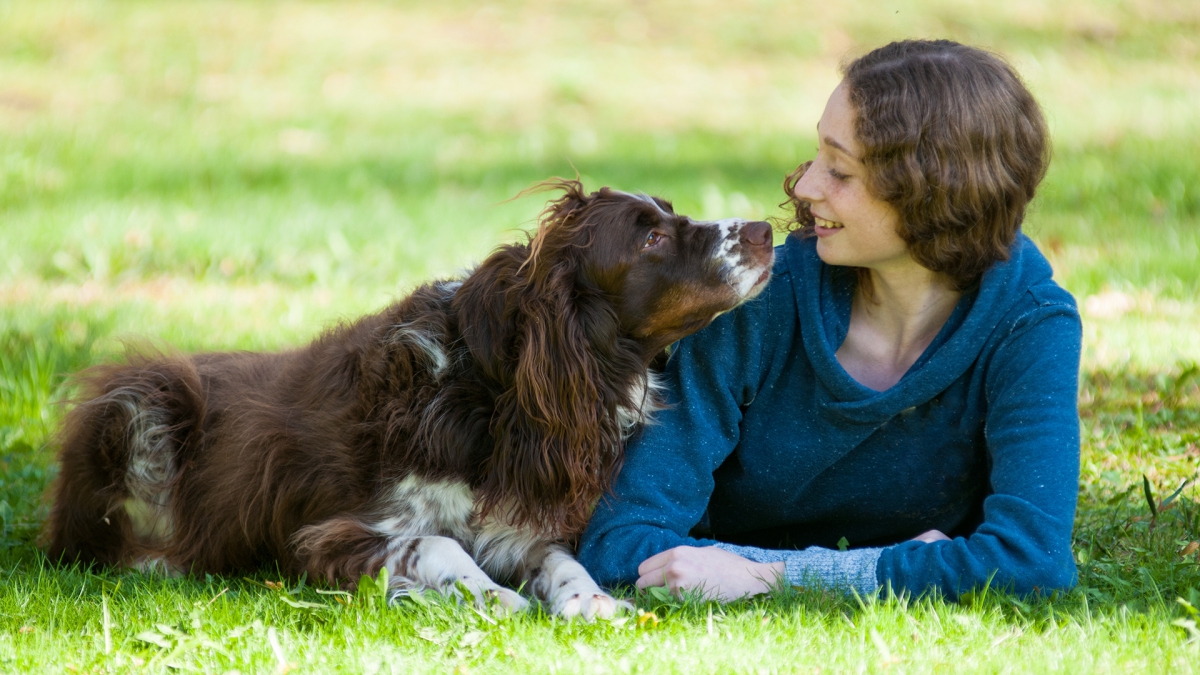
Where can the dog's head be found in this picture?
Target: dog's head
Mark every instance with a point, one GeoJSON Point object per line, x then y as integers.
{"type": "Point", "coordinates": [666, 275]}
{"type": "Point", "coordinates": [567, 325]}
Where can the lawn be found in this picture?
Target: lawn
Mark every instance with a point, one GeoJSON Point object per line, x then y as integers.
{"type": "Point", "coordinates": [219, 175]}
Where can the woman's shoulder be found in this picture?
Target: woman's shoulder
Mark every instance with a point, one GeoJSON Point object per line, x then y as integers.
{"type": "Point", "coordinates": [797, 255]}
{"type": "Point", "coordinates": [1015, 313]}
{"type": "Point", "coordinates": [764, 321]}
{"type": "Point", "coordinates": [1040, 331]}
{"type": "Point", "coordinates": [1049, 294]}
{"type": "Point", "coordinates": [1040, 296]}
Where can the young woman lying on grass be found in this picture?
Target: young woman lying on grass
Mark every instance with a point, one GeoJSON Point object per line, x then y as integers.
{"type": "Point", "coordinates": [907, 381]}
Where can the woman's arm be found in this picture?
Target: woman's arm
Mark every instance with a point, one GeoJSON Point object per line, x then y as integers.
{"type": "Point", "coordinates": [666, 481]}
{"type": "Point", "coordinates": [1032, 433]}
{"type": "Point", "coordinates": [1024, 542]}
{"type": "Point", "coordinates": [728, 571]}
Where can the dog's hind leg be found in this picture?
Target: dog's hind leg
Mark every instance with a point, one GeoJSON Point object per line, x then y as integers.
{"type": "Point", "coordinates": [339, 549]}
{"type": "Point", "coordinates": [112, 499]}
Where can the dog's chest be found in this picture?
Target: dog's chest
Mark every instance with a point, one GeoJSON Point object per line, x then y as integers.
{"type": "Point", "coordinates": [418, 506]}
{"type": "Point", "coordinates": [644, 394]}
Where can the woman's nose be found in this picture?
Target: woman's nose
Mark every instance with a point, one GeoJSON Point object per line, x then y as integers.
{"type": "Point", "coordinates": [805, 188]}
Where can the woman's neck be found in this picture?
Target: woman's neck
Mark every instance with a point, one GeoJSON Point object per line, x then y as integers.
{"type": "Point", "coordinates": [909, 303]}
{"type": "Point", "coordinates": [890, 329]}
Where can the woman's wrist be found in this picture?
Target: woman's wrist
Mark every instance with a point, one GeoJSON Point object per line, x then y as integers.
{"type": "Point", "coordinates": [772, 573]}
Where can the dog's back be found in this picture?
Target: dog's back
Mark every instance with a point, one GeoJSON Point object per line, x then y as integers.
{"type": "Point", "coordinates": [263, 438]}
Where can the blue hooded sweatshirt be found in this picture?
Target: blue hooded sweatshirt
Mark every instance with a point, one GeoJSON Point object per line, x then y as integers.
{"type": "Point", "coordinates": [769, 449]}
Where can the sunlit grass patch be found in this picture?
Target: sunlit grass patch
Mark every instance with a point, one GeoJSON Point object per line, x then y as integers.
{"type": "Point", "coordinates": [124, 622]}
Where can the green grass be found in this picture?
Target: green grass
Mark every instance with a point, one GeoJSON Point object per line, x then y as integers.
{"type": "Point", "coordinates": [1124, 616]}
{"type": "Point", "coordinates": [220, 175]}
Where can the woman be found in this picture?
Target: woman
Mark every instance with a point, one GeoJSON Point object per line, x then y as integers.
{"type": "Point", "coordinates": [906, 385]}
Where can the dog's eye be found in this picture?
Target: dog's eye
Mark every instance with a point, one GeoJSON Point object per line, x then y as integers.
{"type": "Point", "coordinates": [652, 239]}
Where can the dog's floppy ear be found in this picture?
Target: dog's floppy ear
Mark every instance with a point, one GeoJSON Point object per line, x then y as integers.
{"type": "Point", "coordinates": [493, 301]}
{"type": "Point", "coordinates": [555, 447]}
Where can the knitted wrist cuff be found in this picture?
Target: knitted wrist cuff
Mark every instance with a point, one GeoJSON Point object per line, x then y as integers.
{"type": "Point", "coordinates": [816, 566]}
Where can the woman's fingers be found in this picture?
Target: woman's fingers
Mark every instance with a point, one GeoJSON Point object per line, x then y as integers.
{"type": "Point", "coordinates": [931, 536]}
{"type": "Point", "coordinates": [675, 568]}
{"type": "Point", "coordinates": [653, 579]}
{"type": "Point", "coordinates": [661, 559]}
{"type": "Point", "coordinates": [665, 569]}
{"type": "Point", "coordinates": [715, 572]}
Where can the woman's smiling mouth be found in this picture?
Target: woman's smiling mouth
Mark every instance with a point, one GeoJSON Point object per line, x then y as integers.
{"type": "Point", "coordinates": [826, 227]}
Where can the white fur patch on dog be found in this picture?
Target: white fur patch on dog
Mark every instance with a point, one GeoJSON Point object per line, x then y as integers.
{"type": "Point", "coordinates": [570, 590]}
{"type": "Point", "coordinates": [416, 506]}
{"type": "Point", "coordinates": [741, 271]}
{"type": "Point", "coordinates": [427, 345]}
{"type": "Point", "coordinates": [500, 548]}
{"type": "Point", "coordinates": [646, 395]}
{"type": "Point", "coordinates": [156, 566]}
{"type": "Point", "coordinates": [149, 469]}
{"type": "Point", "coordinates": [441, 563]}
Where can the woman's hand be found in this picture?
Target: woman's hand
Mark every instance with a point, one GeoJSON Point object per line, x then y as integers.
{"type": "Point", "coordinates": [718, 574]}
{"type": "Point", "coordinates": [930, 537]}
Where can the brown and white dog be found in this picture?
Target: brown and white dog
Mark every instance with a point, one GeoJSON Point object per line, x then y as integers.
{"type": "Point", "coordinates": [462, 434]}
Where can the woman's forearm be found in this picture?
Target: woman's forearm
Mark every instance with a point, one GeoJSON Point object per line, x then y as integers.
{"type": "Point", "coordinates": [821, 567]}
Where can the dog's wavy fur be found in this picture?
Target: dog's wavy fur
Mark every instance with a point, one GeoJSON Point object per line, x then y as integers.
{"type": "Point", "coordinates": [490, 411]}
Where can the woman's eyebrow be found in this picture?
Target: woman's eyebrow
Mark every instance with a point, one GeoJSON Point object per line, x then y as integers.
{"type": "Point", "coordinates": [838, 146]}
{"type": "Point", "coordinates": [828, 140]}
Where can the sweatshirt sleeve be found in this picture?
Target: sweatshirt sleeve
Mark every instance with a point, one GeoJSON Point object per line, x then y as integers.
{"type": "Point", "coordinates": [1032, 434]}
{"type": "Point", "coordinates": [666, 481]}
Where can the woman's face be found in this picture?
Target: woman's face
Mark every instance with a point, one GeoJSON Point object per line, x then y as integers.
{"type": "Point", "coordinates": [853, 227]}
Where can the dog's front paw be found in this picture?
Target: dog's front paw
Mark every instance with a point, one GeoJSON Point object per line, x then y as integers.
{"type": "Point", "coordinates": [590, 606]}
{"type": "Point", "coordinates": [510, 600]}
{"type": "Point", "coordinates": [483, 595]}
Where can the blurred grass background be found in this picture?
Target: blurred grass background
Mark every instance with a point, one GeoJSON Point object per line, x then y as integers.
{"type": "Point", "coordinates": [172, 163]}
{"type": "Point", "coordinates": [217, 174]}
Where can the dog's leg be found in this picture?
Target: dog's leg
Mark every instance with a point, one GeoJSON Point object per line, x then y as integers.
{"type": "Point", "coordinates": [523, 556]}
{"type": "Point", "coordinates": [345, 547]}
{"type": "Point", "coordinates": [441, 563]}
{"type": "Point", "coordinates": [112, 497]}
{"type": "Point", "coordinates": [562, 583]}
{"type": "Point", "coordinates": [86, 522]}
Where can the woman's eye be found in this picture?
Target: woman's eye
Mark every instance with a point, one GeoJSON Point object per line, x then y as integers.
{"type": "Point", "coordinates": [652, 239]}
{"type": "Point", "coordinates": [838, 175]}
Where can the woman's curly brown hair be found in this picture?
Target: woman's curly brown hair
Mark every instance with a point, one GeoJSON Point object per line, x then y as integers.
{"type": "Point", "coordinates": [951, 139]}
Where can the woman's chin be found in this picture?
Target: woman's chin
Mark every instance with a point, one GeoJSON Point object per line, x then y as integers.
{"type": "Point", "coordinates": [831, 255]}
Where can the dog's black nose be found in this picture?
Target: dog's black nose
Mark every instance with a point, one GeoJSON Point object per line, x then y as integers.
{"type": "Point", "coordinates": [757, 233]}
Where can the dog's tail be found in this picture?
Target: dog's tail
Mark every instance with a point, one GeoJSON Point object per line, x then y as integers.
{"type": "Point", "coordinates": [120, 452]}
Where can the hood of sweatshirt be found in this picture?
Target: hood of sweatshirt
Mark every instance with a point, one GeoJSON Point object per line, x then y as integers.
{"type": "Point", "coordinates": [824, 317]}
